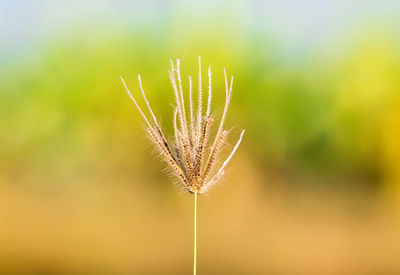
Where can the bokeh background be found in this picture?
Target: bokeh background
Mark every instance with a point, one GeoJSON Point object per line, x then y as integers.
{"type": "Point", "coordinates": [314, 188]}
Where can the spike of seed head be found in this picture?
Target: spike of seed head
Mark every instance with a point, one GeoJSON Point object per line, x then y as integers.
{"type": "Point", "coordinates": [188, 157]}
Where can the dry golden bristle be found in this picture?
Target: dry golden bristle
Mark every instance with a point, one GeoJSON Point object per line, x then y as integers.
{"type": "Point", "coordinates": [219, 141]}
{"type": "Point", "coordinates": [186, 155]}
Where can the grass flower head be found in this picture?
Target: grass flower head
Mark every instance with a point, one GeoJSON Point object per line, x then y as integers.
{"type": "Point", "coordinates": [192, 155]}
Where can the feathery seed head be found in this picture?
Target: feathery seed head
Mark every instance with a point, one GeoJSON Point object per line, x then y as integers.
{"type": "Point", "coordinates": [192, 156]}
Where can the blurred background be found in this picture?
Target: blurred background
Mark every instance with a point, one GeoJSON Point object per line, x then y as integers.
{"type": "Point", "coordinates": [313, 189]}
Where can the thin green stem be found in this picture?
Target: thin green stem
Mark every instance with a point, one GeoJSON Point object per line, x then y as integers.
{"type": "Point", "coordinates": [195, 233]}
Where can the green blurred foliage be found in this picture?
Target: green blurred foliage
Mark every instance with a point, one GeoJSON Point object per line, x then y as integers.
{"type": "Point", "coordinates": [64, 107]}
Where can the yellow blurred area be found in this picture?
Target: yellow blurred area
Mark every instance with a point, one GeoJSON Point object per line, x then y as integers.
{"type": "Point", "coordinates": [244, 226]}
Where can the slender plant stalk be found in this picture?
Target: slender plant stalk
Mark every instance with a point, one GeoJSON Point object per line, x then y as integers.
{"type": "Point", "coordinates": [195, 234]}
